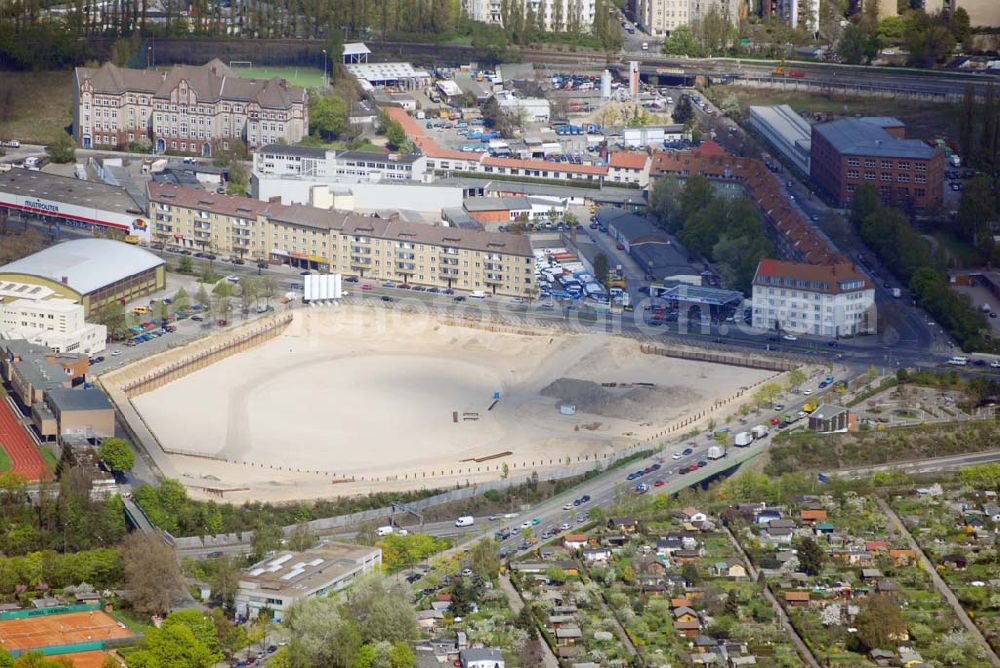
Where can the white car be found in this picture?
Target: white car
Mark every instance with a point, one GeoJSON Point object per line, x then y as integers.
{"type": "Point", "coordinates": [568, 505]}
{"type": "Point", "coordinates": [995, 364]}
{"type": "Point", "coordinates": [564, 526]}
{"type": "Point", "coordinates": [790, 337]}
{"type": "Point", "coordinates": [676, 455]}
{"type": "Point", "coordinates": [116, 353]}
{"type": "Point", "coordinates": [233, 279]}
{"type": "Point", "coordinates": [807, 392]}
{"type": "Point", "coordinates": [526, 524]}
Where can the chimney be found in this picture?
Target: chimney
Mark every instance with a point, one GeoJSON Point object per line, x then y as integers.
{"type": "Point", "coordinates": [65, 280]}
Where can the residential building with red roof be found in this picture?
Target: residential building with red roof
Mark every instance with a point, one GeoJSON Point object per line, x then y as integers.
{"type": "Point", "coordinates": [629, 167]}
{"type": "Point", "coordinates": [829, 300]}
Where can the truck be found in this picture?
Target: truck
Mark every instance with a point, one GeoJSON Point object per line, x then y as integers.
{"type": "Point", "coordinates": [760, 431]}
{"type": "Point", "coordinates": [465, 521]}
{"type": "Point", "coordinates": [716, 452]}
{"type": "Point", "coordinates": [743, 439]}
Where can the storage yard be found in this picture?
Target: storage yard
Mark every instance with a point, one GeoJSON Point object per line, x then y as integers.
{"type": "Point", "coordinates": [357, 393]}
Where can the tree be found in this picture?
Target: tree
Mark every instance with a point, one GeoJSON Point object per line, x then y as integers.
{"type": "Point", "coordinates": [858, 44]}
{"type": "Point", "coordinates": [383, 609]}
{"type": "Point", "coordinates": [664, 202]}
{"type": "Point", "coordinates": [401, 655]}
{"type": "Point", "coordinates": [880, 623]}
{"type": "Point", "coordinates": [810, 556]}
{"type": "Point", "coordinates": [601, 266]}
{"type": "Point", "coordinates": [181, 300]}
{"type": "Point", "coordinates": [232, 637]}
{"type": "Point", "coordinates": [683, 112]}
{"type": "Point", "coordinates": [328, 117]}
{"type": "Point", "coordinates": [250, 289]}
{"type": "Point", "coordinates": [62, 150]}
{"type": "Point", "coordinates": [690, 574]}
{"type": "Point", "coordinates": [335, 50]}
{"type": "Point", "coordinates": [525, 621]}
{"type": "Point", "coordinates": [397, 136]}
{"type": "Point", "coordinates": [795, 378]}
{"type": "Point", "coordinates": [152, 574]}
{"type": "Point", "coordinates": [321, 634]}
{"type": "Point", "coordinates": [928, 38]}
{"type": "Point", "coordinates": [201, 296]}
{"type": "Point", "coordinates": [116, 454]}
{"type": "Point", "coordinates": [682, 42]}
{"type": "Point", "coordinates": [112, 316]}
{"type": "Point", "coordinates": [173, 645]}
{"type": "Point", "coordinates": [267, 537]}
{"type": "Point", "coordinates": [239, 178]}
{"type": "Point", "coordinates": [185, 265]}
{"type": "Point", "coordinates": [871, 374]}
{"type": "Point", "coordinates": [976, 213]}
{"type": "Point", "coordinates": [301, 539]}
{"type": "Point", "coordinates": [485, 559]}
{"type": "Point", "coordinates": [864, 203]}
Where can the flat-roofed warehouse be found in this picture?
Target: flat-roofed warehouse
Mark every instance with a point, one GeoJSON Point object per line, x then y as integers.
{"type": "Point", "coordinates": [69, 201]}
{"type": "Point", "coordinates": [94, 272]}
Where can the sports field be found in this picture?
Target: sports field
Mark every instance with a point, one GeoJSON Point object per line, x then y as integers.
{"type": "Point", "coordinates": [49, 630]}
{"type": "Point", "coordinates": [307, 77]}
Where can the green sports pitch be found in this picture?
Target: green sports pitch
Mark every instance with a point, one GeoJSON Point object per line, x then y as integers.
{"type": "Point", "coordinates": [306, 77]}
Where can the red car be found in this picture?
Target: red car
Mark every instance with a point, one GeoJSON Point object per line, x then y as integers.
{"type": "Point", "coordinates": [775, 421]}
{"type": "Point", "coordinates": [659, 483]}
{"type": "Point", "coordinates": [366, 286]}
{"type": "Point", "coordinates": [620, 246]}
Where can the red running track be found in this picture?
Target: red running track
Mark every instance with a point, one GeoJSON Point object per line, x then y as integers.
{"type": "Point", "coordinates": [26, 459]}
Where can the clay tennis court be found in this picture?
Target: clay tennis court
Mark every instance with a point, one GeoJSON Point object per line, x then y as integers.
{"type": "Point", "coordinates": [84, 659]}
{"type": "Point", "coordinates": [73, 627]}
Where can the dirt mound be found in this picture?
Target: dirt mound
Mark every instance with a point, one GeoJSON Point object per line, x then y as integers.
{"type": "Point", "coordinates": [625, 402]}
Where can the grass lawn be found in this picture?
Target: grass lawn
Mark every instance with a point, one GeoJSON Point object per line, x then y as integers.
{"type": "Point", "coordinates": [307, 77]}
{"type": "Point", "coordinates": [924, 120]}
{"type": "Point", "coordinates": [49, 457]}
{"type": "Point", "coordinates": [5, 462]}
{"type": "Point", "coordinates": [39, 107]}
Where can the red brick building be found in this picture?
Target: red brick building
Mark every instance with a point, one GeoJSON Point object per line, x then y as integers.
{"type": "Point", "coordinates": [851, 151]}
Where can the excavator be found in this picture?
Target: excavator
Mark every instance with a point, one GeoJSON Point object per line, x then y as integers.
{"type": "Point", "coordinates": [779, 71]}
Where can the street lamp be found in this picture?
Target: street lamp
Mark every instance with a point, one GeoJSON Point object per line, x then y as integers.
{"type": "Point", "coordinates": [149, 51]}
{"type": "Point", "coordinates": [325, 82]}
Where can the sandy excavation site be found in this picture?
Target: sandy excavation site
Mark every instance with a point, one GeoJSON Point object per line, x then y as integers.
{"type": "Point", "coordinates": [355, 391]}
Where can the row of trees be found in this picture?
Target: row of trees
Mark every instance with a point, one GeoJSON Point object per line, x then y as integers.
{"type": "Point", "coordinates": [928, 38]}
{"type": "Point", "coordinates": [888, 232]}
{"type": "Point", "coordinates": [728, 231]}
{"type": "Point", "coordinates": [65, 518]}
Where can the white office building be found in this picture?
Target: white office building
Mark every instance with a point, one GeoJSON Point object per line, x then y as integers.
{"type": "Point", "coordinates": [338, 167]}
{"type": "Point", "coordinates": [787, 132]}
{"type": "Point", "coordinates": [57, 324]}
{"type": "Point", "coordinates": [277, 582]}
{"type": "Point", "coordinates": [830, 300]}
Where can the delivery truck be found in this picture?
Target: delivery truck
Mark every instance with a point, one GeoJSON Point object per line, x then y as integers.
{"type": "Point", "coordinates": [760, 431]}
{"type": "Point", "coordinates": [716, 452]}
{"type": "Point", "coordinates": [743, 439]}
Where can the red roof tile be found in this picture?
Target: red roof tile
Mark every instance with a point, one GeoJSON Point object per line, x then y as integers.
{"type": "Point", "coordinates": [628, 160]}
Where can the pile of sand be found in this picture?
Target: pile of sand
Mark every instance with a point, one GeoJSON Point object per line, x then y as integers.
{"type": "Point", "coordinates": [629, 402]}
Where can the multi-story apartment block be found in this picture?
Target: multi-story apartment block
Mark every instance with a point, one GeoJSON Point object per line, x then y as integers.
{"type": "Point", "coordinates": [342, 167]}
{"type": "Point", "coordinates": [557, 15]}
{"type": "Point", "coordinates": [824, 300]}
{"type": "Point", "coordinates": [851, 151]}
{"type": "Point", "coordinates": [662, 17]}
{"type": "Point", "coordinates": [186, 110]}
{"type": "Point", "coordinates": [340, 242]}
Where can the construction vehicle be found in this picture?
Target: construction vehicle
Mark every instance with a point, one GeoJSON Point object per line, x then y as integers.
{"type": "Point", "coordinates": [809, 406]}
{"type": "Point", "coordinates": [779, 71]}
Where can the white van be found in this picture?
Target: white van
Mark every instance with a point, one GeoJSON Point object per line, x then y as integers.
{"type": "Point", "coordinates": [959, 361]}
{"type": "Point", "coordinates": [478, 294]}
{"type": "Point", "coordinates": [465, 521]}
{"type": "Point", "coordinates": [384, 531]}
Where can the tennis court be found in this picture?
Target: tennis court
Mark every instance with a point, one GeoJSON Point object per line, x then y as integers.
{"type": "Point", "coordinates": [93, 659]}
{"type": "Point", "coordinates": [66, 629]}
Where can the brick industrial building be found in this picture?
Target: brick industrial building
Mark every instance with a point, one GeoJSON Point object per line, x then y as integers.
{"type": "Point", "coordinates": [851, 151]}
{"type": "Point", "coordinates": [186, 110]}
